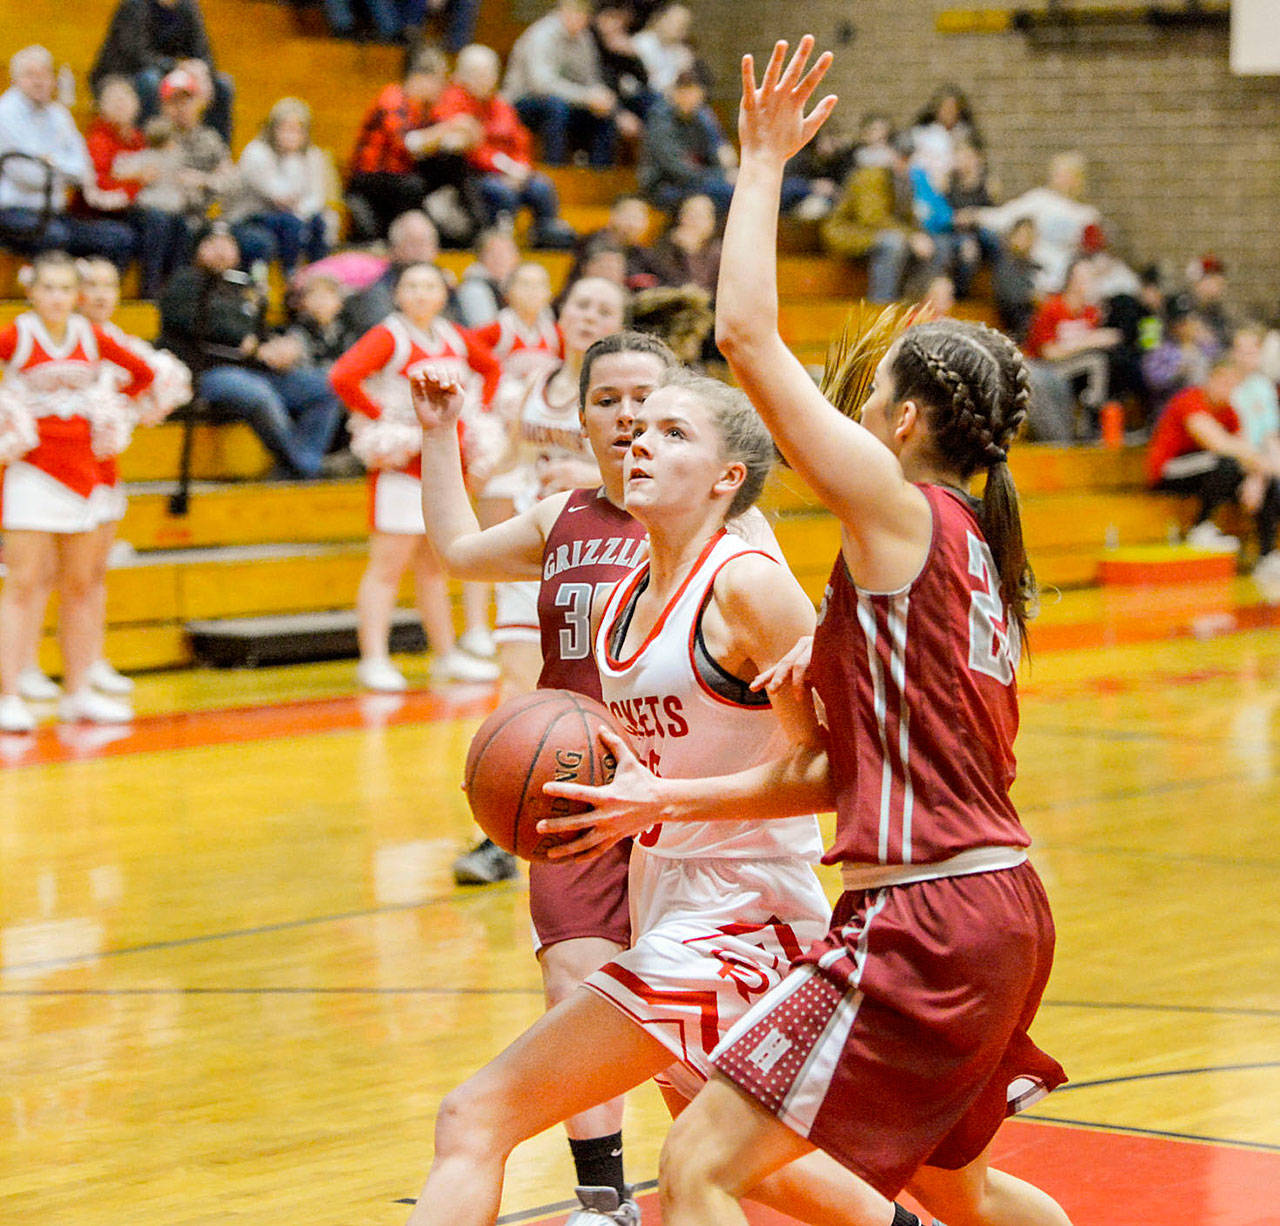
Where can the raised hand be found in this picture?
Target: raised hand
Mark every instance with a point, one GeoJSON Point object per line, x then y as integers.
{"type": "Point", "coordinates": [437, 395]}
{"type": "Point", "coordinates": [624, 807]}
{"type": "Point", "coordinates": [771, 119]}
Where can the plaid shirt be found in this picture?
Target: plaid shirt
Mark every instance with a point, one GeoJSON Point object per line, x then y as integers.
{"type": "Point", "coordinates": [380, 146]}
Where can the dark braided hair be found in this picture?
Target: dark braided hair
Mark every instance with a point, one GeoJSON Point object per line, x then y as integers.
{"type": "Point", "coordinates": [975, 387]}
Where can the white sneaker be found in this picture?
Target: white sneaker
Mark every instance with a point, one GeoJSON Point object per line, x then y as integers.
{"type": "Point", "coordinates": [89, 707]}
{"type": "Point", "coordinates": [1267, 569]}
{"type": "Point", "coordinates": [14, 716]}
{"type": "Point", "coordinates": [478, 642]}
{"type": "Point", "coordinates": [456, 665]}
{"type": "Point", "coordinates": [34, 686]}
{"type": "Point", "coordinates": [381, 675]}
{"type": "Point", "coordinates": [603, 1207]}
{"type": "Point", "coordinates": [106, 680]}
{"type": "Point", "coordinates": [1209, 537]}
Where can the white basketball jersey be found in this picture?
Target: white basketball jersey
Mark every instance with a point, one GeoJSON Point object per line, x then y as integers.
{"type": "Point", "coordinates": [682, 728]}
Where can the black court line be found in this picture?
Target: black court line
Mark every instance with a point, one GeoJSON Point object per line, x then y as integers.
{"type": "Point", "coordinates": [1261, 1146]}
{"type": "Point", "coordinates": [336, 917]}
{"type": "Point", "coordinates": [1177, 1072]}
{"type": "Point", "coordinates": [1212, 1010]}
{"type": "Point", "coordinates": [560, 1206]}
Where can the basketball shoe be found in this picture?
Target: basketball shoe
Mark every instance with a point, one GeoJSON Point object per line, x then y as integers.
{"type": "Point", "coordinates": [484, 864]}
{"type": "Point", "coordinates": [603, 1207]}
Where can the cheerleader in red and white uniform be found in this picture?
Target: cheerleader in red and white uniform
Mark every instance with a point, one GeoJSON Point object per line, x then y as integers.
{"type": "Point", "coordinates": [372, 380]}
{"type": "Point", "coordinates": [53, 363]}
{"type": "Point", "coordinates": [524, 337]}
{"type": "Point", "coordinates": [99, 297]}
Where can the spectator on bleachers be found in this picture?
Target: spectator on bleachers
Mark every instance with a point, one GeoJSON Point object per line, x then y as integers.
{"type": "Point", "coordinates": [1199, 450]}
{"type": "Point", "coordinates": [944, 122]}
{"type": "Point", "coordinates": [554, 79]}
{"type": "Point", "coordinates": [625, 231]}
{"type": "Point", "coordinates": [1060, 214]}
{"type": "Point", "coordinates": [968, 242]}
{"type": "Point", "coordinates": [147, 40]}
{"type": "Point", "coordinates": [501, 156]}
{"type": "Point", "coordinates": [663, 46]}
{"type": "Point", "coordinates": [287, 183]}
{"type": "Point", "coordinates": [1183, 356]}
{"type": "Point", "coordinates": [55, 162]}
{"type": "Point", "coordinates": [874, 220]}
{"type": "Point", "coordinates": [211, 316]}
{"type": "Point", "coordinates": [1206, 294]}
{"type": "Point", "coordinates": [621, 68]}
{"type": "Point", "coordinates": [318, 323]}
{"type": "Point", "coordinates": [822, 166]}
{"type": "Point", "coordinates": [684, 151]}
{"type": "Point", "coordinates": [401, 157]}
{"type": "Point", "coordinates": [939, 297]}
{"type": "Point", "coordinates": [411, 239]}
{"type": "Point", "coordinates": [1255, 398]}
{"type": "Point", "coordinates": [481, 290]}
{"type": "Point", "coordinates": [122, 168]}
{"type": "Point", "coordinates": [689, 252]}
{"type": "Point", "coordinates": [1066, 334]}
{"type": "Point", "coordinates": [1013, 279]}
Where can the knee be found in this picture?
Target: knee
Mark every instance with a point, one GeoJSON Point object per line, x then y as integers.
{"type": "Point", "coordinates": [689, 1165]}
{"type": "Point", "coordinates": [466, 1123]}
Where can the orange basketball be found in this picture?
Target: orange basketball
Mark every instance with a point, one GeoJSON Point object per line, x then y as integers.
{"type": "Point", "coordinates": [529, 741]}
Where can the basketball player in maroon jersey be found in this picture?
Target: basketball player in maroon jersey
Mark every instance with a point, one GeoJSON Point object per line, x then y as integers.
{"type": "Point", "coordinates": [574, 543]}
{"type": "Point", "coordinates": [899, 1042]}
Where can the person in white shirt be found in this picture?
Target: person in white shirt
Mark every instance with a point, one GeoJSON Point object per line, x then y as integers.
{"type": "Point", "coordinates": [35, 187]}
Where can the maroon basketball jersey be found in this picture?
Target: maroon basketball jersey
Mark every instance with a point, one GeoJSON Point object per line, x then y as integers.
{"type": "Point", "coordinates": [919, 696]}
{"type": "Point", "coordinates": [591, 544]}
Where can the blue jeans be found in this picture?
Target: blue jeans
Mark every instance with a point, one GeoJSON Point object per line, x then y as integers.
{"type": "Point", "coordinates": [74, 235]}
{"type": "Point", "coordinates": [500, 195]}
{"type": "Point", "coordinates": [282, 236]}
{"type": "Point", "coordinates": [294, 412]}
{"type": "Point", "coordinates": [162, 245]}
{"type": "Point", "coordinates": [668, 197]}
{"type": "Point", "coordinates": [561, 125]}
{"type": "Point", "coordinates": [886, 262]}
{"type": "Point", "coordinates": [218, 116]}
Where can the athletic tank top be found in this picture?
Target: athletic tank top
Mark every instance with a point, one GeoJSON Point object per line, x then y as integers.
{"type": "Point", "coordinates": [523, 350]}
{"type": "Point", "coordinates": [918, 693]}
{"type": "Point", "coordinates": [591, 545]}
{"type": "Point", "coordinates": [682, 726]}
{"type": "Point", "coordinates": [442, 344]}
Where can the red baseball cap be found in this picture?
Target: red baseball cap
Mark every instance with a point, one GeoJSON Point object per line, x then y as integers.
{"type": "Point", "coordinates": [1209, 265]}
{"type": "Point", "coordinates": [179, 81]}
{"type": "Point", "coordinates": [1093, 239]}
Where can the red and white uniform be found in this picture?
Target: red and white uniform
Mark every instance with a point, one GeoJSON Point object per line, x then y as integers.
{"type": "Point", "coordinates": [919, 998]}
{"type": "Point", "coordinates": [523, 350]}
{"type": "Point", "coordinates": [591, 545]}
{"type": "Point", "coordinates": [718, 909]}
{"type": "Point", "coordinates": [542, 434]}
{"type": "Point", "coordinates": [50, 489]}
{"type": "Point", "coordinates": [372, 378]}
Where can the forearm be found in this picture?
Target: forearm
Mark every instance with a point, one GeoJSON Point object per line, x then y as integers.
{"type": "Point", "coordinates": [747, 293]}
{"type": "Point", "coordinates": [446, 507]}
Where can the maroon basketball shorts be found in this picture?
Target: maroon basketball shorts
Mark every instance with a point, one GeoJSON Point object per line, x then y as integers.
{"type": "Point", "coordinates": [567, 901]}
{"type": "Point", "coordinates": [900, 1038]}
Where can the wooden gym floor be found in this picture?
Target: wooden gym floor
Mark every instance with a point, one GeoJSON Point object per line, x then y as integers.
{"type": "Point", "coordinates": [236, 976]}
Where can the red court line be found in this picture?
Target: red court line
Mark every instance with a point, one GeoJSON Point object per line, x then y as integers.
{"type": "Point", "coordinates": [238, 725]}
{"type": "Point", "coordinates": [1112, 1179]}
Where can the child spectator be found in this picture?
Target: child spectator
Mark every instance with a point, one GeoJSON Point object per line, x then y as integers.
{"type": "Point", "coordinates": [1258, 410]}
{"type": "Point", "coordinates": [54, 361]}
{"type": "Point", "coordinates": [287, 185]}
{"type": "Point", "coordinates": [683, 151]}
{"type": "Point", "coordinates": [122, 169]}
{"type": "Point", "coordinates": [401, 157]}
{"type": "Point", "coordinates": [148, 39]}
{"type": "Point", "coordinates": [318, 323]}
{"type": "Point", "coordinates": [1183, 356]}
{"type": "Point", "coordinates": [500, 157]}
{"type": "Point", "coordinates": [1014, 278]}
{"type": "Point", "coordinates": [372, 378]}
{"type": "Point", "coordinates": [481, 291]}
{"type": "Point", "coordinates": [625, 232]}
{"type": "Point", "coordinates": [1207, 294]}
{"type": "Point", "coordinates": [554, 79]}
{"type": "Point", "coordinates": [1198, 450]}
{"type": "Point", "coordinates": [689, 252]}
{"type": "Point", "coordinates": [969, 242]}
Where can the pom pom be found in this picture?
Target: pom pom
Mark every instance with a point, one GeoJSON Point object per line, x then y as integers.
{"type": "Point", "coordinates": [18, 433]}
{"type": "Point", "coordinates": [486, 441]}
{"type": "Point", "coordinates": [111, 420]}
{"type": "Point", "coordinates": [384, 444]}
{"type": "Point", "coordinates": [171, 390]}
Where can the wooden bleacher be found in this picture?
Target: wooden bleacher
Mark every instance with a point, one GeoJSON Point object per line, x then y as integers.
{"type": "Point", "coordinates": [249, 548]}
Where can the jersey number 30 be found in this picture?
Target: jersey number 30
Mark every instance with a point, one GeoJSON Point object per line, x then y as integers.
{"type": "Point", "coordinates": [990, 651]}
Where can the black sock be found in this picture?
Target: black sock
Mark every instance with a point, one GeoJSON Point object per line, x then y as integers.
{"type": "Point", "coordinates": [902, 1218]}
{"type": "Point", "coordinates": [598, 1162]}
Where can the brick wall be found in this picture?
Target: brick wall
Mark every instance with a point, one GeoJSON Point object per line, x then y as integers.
{"type": "Point", "coordinates": [1184, 157]}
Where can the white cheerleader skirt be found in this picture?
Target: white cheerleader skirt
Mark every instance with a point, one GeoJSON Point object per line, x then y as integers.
{"type": "Point", "coordinates": [33, 501]}
{"type": "Point", "coordinates": [397, 504]}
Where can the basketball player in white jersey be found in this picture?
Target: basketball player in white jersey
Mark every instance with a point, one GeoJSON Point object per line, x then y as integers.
{"type": "Point", "coordinates": [716, 908]}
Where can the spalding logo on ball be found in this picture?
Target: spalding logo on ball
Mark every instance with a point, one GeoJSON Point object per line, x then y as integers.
{"type": "Point", "coordinates": [531, 740]}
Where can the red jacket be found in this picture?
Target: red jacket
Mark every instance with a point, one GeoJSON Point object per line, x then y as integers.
{"type": "Point", "coordinates": [1171, 438]}
{"type": "Point", "coordinates": [1055, 321]}
{"type": "Point", "coordinates": [380, 145]}
{"type": "Point", "coordinates": [503, 131]}
{"type": "Point", "coordinates": [105, 143]}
